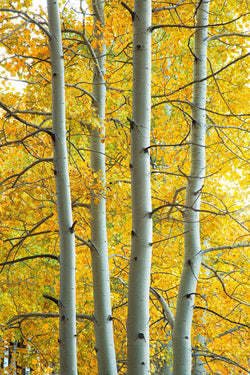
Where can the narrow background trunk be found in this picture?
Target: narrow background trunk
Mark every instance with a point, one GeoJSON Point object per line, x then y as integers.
{"type": "Point", "coordinates": [66, 303]}
{"type": "Point", "coordinates": [141, 242]}
{"type": "Point", "coordinates": [182, 348]}
{"type": "Point", "coordinates": [198, 367]}
{"type": "Point", "coordinates": [101, 284]}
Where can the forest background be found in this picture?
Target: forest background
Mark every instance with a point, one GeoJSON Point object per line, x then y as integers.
{"type": "Point", "coordinates": [30, 267]}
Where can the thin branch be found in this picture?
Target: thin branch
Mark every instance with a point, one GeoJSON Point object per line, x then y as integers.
{"type": "Point", "coordinates": [31, 111]}
{"type": "Point", "coordinates": [133, 14]}
{"type": "Point", "coordinates": [85, 205]}
{"type": "Point", "coordinates": [26, 236]}
{"type": "Point", "coordinates": [18, 175]}
{"type": "Point", "coordinates": [72, 31]}
{"type": "Point", "coordinates": [168, 101]}
{"type": "Point", "coordinates": [154, 27]}
{"type": "Point", "coordinates": [20, 318]}
{"type": "Point", "coordinates": [218, 357]}
{"type": "Point", "coordinates": [223, 285]}
{"type": "Point", "coordinates": [10, 262]}
{"type": "Point", "coordinates": [227, 332]}
{"type": "Point", "coordinates": [168, 8]}
{"type": "Point", "coordinates": [173, 145]}
{"type": "Point", "coordinates": [83, 90]}
{"type": "Point", "coordinates": [177, 191]}
{"type": "Point", "coordinates": [213, 125]}
{"type": "Point", "coordinates": [26, 17]}
{"type": "Point", "coordinates": [218, 87]}
{"type": "Point", "coordinates": [166, 310]}
{"type": "Point", "coordinates": [211, 75]}
{"type": "Point", "coordinates": [26, 123]}
{"type": "Point", "coordinates": [221, 316]}
{"type": "Point", "coordinates": [118, 256]}
{"type": "Point", "coordinates": [214, 37]}
{"type": "Point", "coordinates": [10, 34]}
{"type": "Point", "coordinates": [84, 241]}
{"type": "Point", "coordinates": [53, 299]}
{"type": "Point", "coordinates": [88, 44]}
{"type": "Point", "coordinates": [229, 148]}
{"type": "Point", "coordinates": [18, 141]}
{"type": "Point", "coordinates": [228, 247]}
{"type": "Point", "coordinates": [168, 204]}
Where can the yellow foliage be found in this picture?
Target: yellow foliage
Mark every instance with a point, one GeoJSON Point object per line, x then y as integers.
{"type": "Point", "coordinates": [29, 224]}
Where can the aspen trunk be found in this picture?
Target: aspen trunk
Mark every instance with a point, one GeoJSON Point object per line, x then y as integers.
{"type": "Point", "coordinates": [182, 348]}
{"type": "Point", "coordinates": [141, 241]}
{"type": "Point", "coordinates": [66, 303]}
{"type": "Point", "coordinates": [104, 341]}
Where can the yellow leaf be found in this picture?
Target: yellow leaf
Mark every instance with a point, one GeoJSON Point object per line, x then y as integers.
{"type": "Point", "coordinates": [97, 200]}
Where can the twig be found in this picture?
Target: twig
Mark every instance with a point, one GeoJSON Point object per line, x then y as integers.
{"type": "Point", "coordinates": [20, 318]}
{"type": "Point", "coordinates": [228, 247]}
{"type": "Point", "coordinates": [18, 175]}
{"type": "Point", "coordinates": [221, 316]}
{"type": "Point", "coordinates": [49, 256]}
{"type": "Point", "coordinates": [166, 310]}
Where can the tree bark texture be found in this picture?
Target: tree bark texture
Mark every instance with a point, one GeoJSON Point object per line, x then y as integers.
{"type": "Point", "coordinates": [141, 236]}
{"type": "Point", "coordinates": [104, 341]}
{"type": "Point", "coordinates": [66, 303]}
{"type": "Point", "coordinates": [182, 348]}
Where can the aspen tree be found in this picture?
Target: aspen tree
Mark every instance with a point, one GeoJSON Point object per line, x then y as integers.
{"type": "Point", "coordinates": [182, 347]}
{"type": "Point", "coordinates": [104, 341]}
{"type": "Point", "coordinates": [66, 303]}
{"type": "Point", "coordinates": [141, 235]}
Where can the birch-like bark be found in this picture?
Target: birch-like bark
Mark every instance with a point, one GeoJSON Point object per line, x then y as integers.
{"type": "Point", "coordinates": [104, 341]}
{"type": "Point", "coordinates": [141, 242]}
{"type": "Point", "coordinates": [66, 303]}
{"type": "Point", "coordinates": [182, 348]}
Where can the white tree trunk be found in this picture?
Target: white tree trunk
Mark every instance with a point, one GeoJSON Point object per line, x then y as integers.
{"type": "Point", "coordinates": [104, 345]}
{"type": "Point", "coordinates": [182, 348]}
{"type": "Point", "coordinates": [141, 241]}
{"type": "Point", "coordinates": [66, 303]}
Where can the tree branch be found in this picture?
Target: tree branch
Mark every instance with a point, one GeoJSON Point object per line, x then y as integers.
{"type": "Point", "coordinates": [154, 27]}
{"type": "Point", "coordinates": [221, 316]}
{"type": "Point", "coordinates": [166, 310]}
{"type": "Point", "coordinates": [26, 17]}
{"type": "Point", "coordinates": [214, 37]}
{"type": "Point", "coordinates": [133, 14]}
{"type": "Point", "coordinates": [83, 241]}
{"type": "Point", "coordinates": [17, 319]}
{"type": "Point", "coordinates": [168, 8]}
{"type": "Point", "coordinates": [18, 175]}
{"type": "Point", "coordinates": [83, 90]}
{"type": "Point", "coordinates": [53, 299]}
{"type": "Point", "coordinates": [211, 75]}
{"type": "Point", "coordinates": [223, 285]}
{"type": "Point", "coordinates": [10, 262]}
{"type": "Point", "coordinates": [227, 247]}
{"type": "Point", "coordinates": [218, 357]}
{"type": "Point", "coordinates": [22, 239]}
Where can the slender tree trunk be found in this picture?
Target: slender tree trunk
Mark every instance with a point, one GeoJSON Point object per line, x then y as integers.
{"type": "Point", "coordinates": [141, 241]}
{"type": "Point", "coordinates": [66, 303]}
{"type": "Point", "coordinates": [198, 367]}
{"type": "Point", "coordinates": [182, 349]}
{"type": "Point", "coordinates": [105, 350]}
{"type": "Point", "coordinates": [13, 365]}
